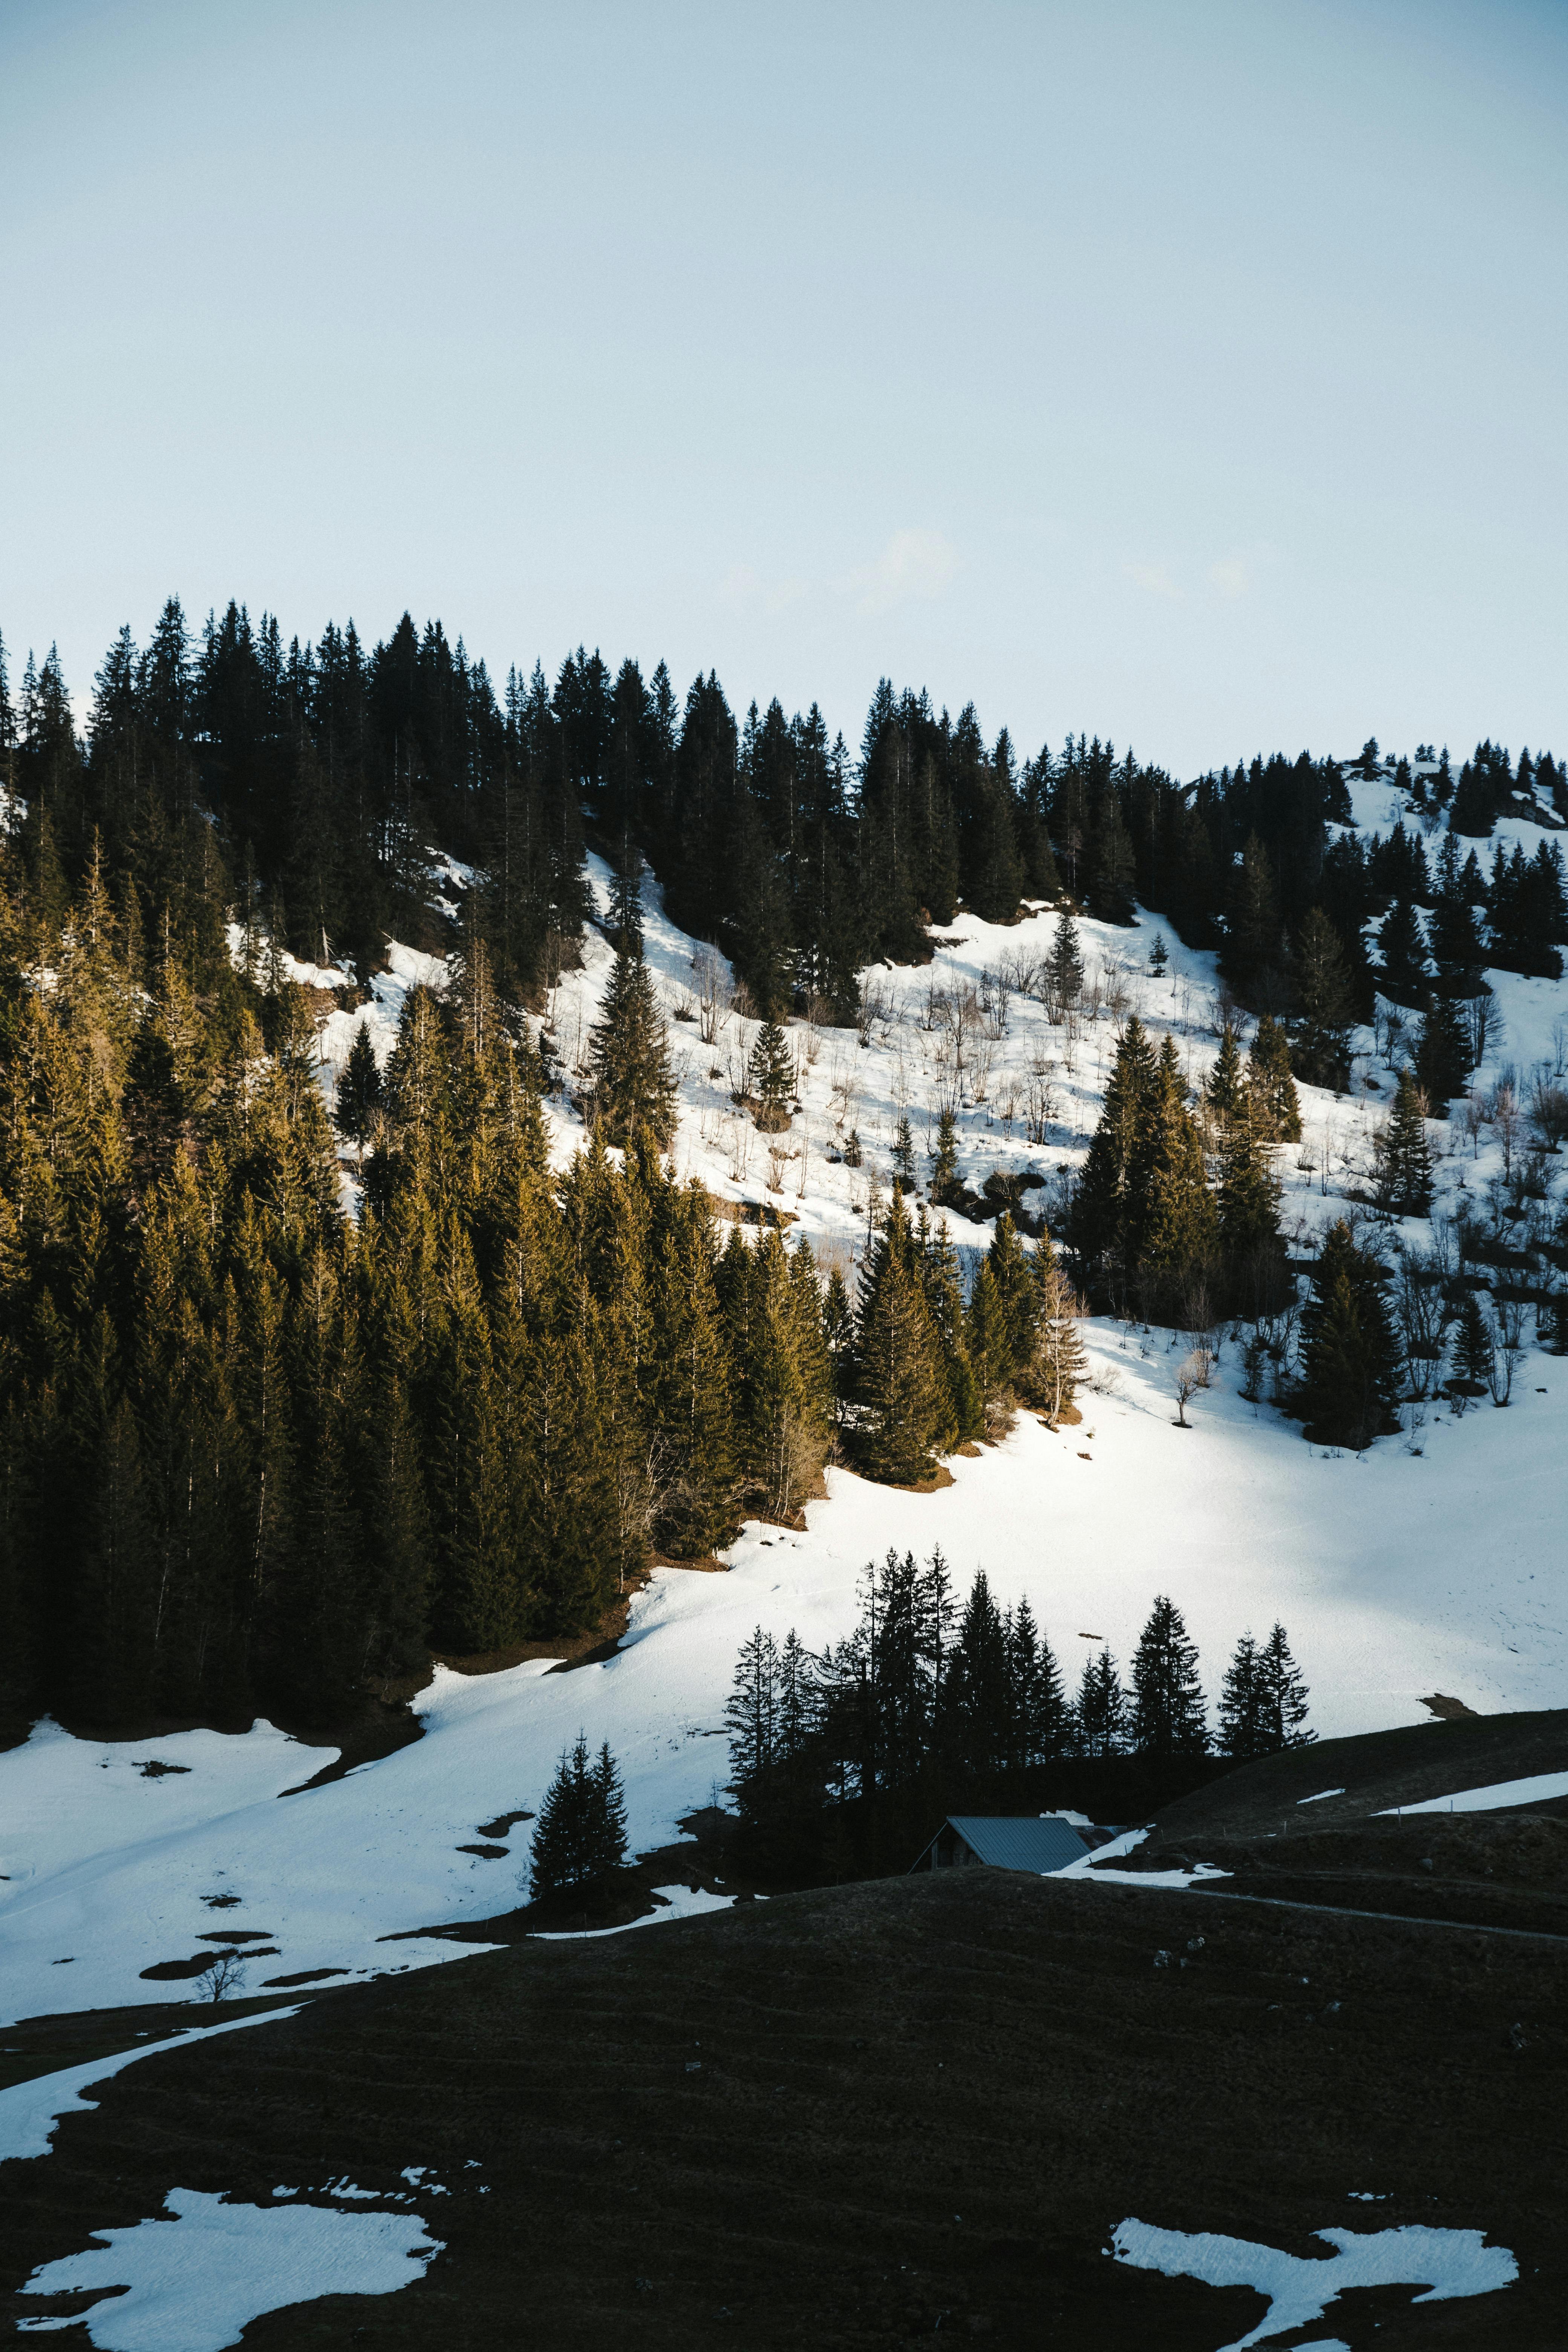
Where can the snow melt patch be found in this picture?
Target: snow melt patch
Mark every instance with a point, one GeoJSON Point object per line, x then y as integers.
{"type": "Point", "coordinates": [1537, 1791]}
{"type": "Point", "coordinates": [198, 2280]}
{"type": "Point", "coordinates": [29, 2111]}
{"type": "Point", "coordinates": [679, 1902]}
{"type": "Point", "coordinates": [1092, 1866]}
{"type": "Point", "coordinates": [1319, 1797]}
{"type": "Point", "coordinates": [1448, 2263]}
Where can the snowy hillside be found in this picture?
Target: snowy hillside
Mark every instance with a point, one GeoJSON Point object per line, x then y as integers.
{"type": "Point", "coordinates": [1426, 1564]}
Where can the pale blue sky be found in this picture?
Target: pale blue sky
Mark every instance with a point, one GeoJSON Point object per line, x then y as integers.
{"type": "Point", "coordinates": [1192, 374]}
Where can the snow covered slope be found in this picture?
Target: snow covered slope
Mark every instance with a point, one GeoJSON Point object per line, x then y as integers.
{"type": "Point", "coordinates": [1397, 1572]}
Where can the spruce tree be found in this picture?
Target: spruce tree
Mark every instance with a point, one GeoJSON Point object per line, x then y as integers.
{"type": "Point", "coordinates": [1403, 947]}
{"type": "Point", "coordinates": [1225, 1089]}
{"type": "Point", "coordinates": [1442, 1051]}
{"type": "Point", "coordinates": [945, 1160]}
{"type": "Point", "coordinates": [1474, 1349]}
{"type": "Point", "coordinates": [1404, 1161]}
{"type": "Point", "coordinates": [904, 1158]}
{"type": "Point", "coordinates": [1110, 1205]}
{"type": "Point", "coordinates": [581, 1836]}
{"type": "Point", "coordinates": [1099, 1714]}
{"type": "Point", "coordinates": [1324, 1007]}
{"type": "Point", "coordinates": [1016, 1288]}
{"type": "Point", "coordinates": [771, 1075]}
{"type": "Point", "coordinates": [903, 1395]}
{"type": "Point", "coordinates": [979, 1688]}
{"type": "Point", "coordinates": [988, 1345]}
{"type": "Point", "coordinates": [1248, 1196]}
{"type": "Point", "coordinates": [1059, 1361]}
{"type": "Point", "coordinates": [1041, 1719]}
{"type": "Point", "coordinates": [1349, 1353]}
{"type": "Point", "coordinates": [1168, 1712]}
{"type": "Point", "coordinates": [1282, 1696]}
{"type": "Point", "coordinates": [359, 1093]}
{"type": "Point", "coordinates": [1064, 967]}
{"type": "Point", "coordinates": [1240, 1705]}
{"type": "Point", "coordinates": [1279, 1110]}
{"type": "Point", "coordinates": [1180, 1228]}
{"type": "Point", "coordinates": [633, 1090]}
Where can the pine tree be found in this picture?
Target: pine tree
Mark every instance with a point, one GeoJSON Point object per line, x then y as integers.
{"type": "Point", "coordinates": [1099, 1714]}
{"type": "Point", "coordinates": [1279, 1111]}
{"type": "Point", "coordinates": [903, 1396]}
{"type": "Point", "coordinates": [1111, 1206]}
{"type": "Point", "coordinates": [1442, 1051]}
{"type": "Point", "coordinates": [1017, 1291]}
{"type": "Point", "coordinates": [358, 1094]}
{"type": "Point", "coordinates": [904, 1158]}
{"type": "Point", "coordinates": [1058, 1361]}
{"type": "Point", "coordinates": [633, 1089]}
{"type": "Point", "coordinates": [1349, 1353]}
{"type": "Point", "coordinates": [1180, 1230]}
{"type": "Point", "coordinates": [978, 1694]}
{"type": "Point", "coordinates": [1064, 967]}
{"type": "Point", "coordinates": [944, 1184]}
{"type": "Point", "coordinates": [1474, 1350]}
{"type": "Point", "coordinates": [1404, 1161]}
{"type": "Point", "coordinates": [1241, 1706]}
{"type": "Point", "coordinates": [1324, 1009]}
{"type": "Point", "coordinates": [1282, 1696]}
{"type": "Point", "coordinates": [1040, 1717]}
{"type": "Point", "coordinates": [1168, 1714]}
{"type": "Point", "coordinates": [1403, 947]}
{"type": "Point", "coordinates": [580, 1835]}
{"type": "Point", "coordinates": [1225, 1089]}
{"type": "Point", "coordinates": [770, 1074]}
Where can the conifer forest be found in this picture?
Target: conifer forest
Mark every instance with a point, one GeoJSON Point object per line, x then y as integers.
{"type": "Point", "coordinates": [298, 1385]}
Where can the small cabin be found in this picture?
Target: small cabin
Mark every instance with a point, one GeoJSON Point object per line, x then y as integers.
{"type": "Point", "coordinates": [1038, 1842]}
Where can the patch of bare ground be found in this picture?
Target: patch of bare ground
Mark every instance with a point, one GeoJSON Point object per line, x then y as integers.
{"type": "Point", "coordinates": [869, 2115]}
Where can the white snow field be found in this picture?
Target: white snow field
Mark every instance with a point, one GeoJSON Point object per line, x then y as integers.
{"type": "Point", "coordinates": [1396, 1573]}
{"type": "Point", "coordinates": [197, 2280]}
{"type": "Point", "coordinates": [1448, 2263]}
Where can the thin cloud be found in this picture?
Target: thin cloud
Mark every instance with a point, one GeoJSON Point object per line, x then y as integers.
{"type": "Point", "coordinates": [1231, 577]}
{"type": "Point", "coordinates": [1152, 579]}
{"type": "Point", "coordinates": [913, 567]}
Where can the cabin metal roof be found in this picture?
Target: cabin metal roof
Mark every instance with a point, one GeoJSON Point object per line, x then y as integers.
{"type": "Point", "coordinates": [1019, 1842]}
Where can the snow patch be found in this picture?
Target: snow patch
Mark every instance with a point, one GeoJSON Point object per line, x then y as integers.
{"type": "Point", "coordinates": [1319, 1797]}
{"type": "Point", "coordinates": [679, 1902]}
{"type": "Point", "coordinates": [1539, 1790]}
{"type": "Point", "coordinates": [198, 2280]}
{"type": "Point", "coordinates": [1448, 2263]}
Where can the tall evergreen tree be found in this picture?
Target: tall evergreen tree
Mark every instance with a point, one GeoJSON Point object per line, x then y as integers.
{"type": "Point", "coordinates": [633, 1086]}
{"type": "Point", "coordinates": [1168, 1714]}
{"type": "Point", "coordinates": [1349, 1353]}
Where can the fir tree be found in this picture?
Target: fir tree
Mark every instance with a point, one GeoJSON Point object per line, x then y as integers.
{"type": "Point", "coordinates": [1111, 1206]}
{"type": "Point", "coordinates": [1282, 1696]}
{"type": "Point", "coordinates": [358, 1094]}
{"type": "Point", "coordinates": [770, 1074]}
{"type": "Point", "coordinates": [904, 1158]}
{"type": "Point", "coordinates": [1241, 1706]}
{"type": "Point", "coordinates": [1324, 1009]}
{"type": "Point", "coordinates": [1041, 1719]}
{"type": "Point", "coordinates": [581, 1833]}
{"type": "Point", "coordinates": [1225, 1089]}
{"type": "Point", "coordinates": [1474, 1349]}
{"type": "Point", "coordinates": [1349, 1353]}
{"type": "Point", "coordinates": [1442, 1051]}
{"type": "Point", "coordinates": [1017, 1291]}
{"type": "Point", "coordinates": [1248, 1196]}
{"type": "Point", "coordinates": [1278, 1110]}
{"type": "Point", "coordinates": [1180, 1229]}
{"type": "Point", "coordinates": [1403, 947]}
{"type": "Point", "coordinates": [944, 1185]}
{"type": "Point", "coordinates": [904, 1402]}
{"type": "Point", "coordinates": [633, 1087]}
{"type": "Point", "coordinates": [1404, 1161]}
{"type": "Point", "coordinates": [1064, 967]}
{"type": "Point", "coordinates": [1168, 1714]}
{"type": "Point", "coordinates": [1099, 1714]}
{"type": "Point", "coordinates": [1058, 1361]}
{"type": "Point", "coordinates": [979, 1693]}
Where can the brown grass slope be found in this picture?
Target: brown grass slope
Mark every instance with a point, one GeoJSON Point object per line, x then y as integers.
{"type": "Point", "coordinates": [878, 2114]}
